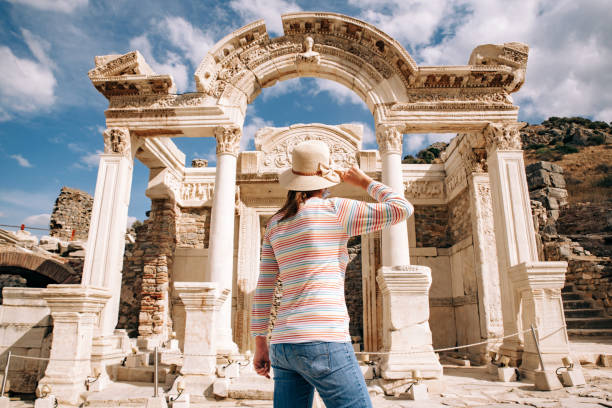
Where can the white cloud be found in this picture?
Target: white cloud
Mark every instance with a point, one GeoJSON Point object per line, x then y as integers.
{"type": "Point", "coordinates": [1, 214]}
{"type": "Point", "coordinates": [570, 60]}
{"type": "Point", "coordinates": [252, 125]}
{"type": "Point", "coordinates": [64, 6]}
{"type": "Point", "coordinates": [23, 162]}
{"type": "Point", "coordinates": [26, 199]}
{"type": "Point", "coordinates": [415, 142]}
{"type": "Point", "coordinates": [130, 221]}
{"type": "Point", "coordinates": [40, 220]}
{"type": "Point", "coordinates": [75, 148]}
{"type": "Point", "coordinates": [90, 161]}
{"type": "Point", "coordinates": [410, 21]}
{"type": "Point", "coordinates": [369, 137]}
{"type": "Point", "coordinates": [338, 92]}
{"type": "Point", "coordinates": [172, 65]}
{"type": "Point", "coordinates": [25, 85]}
{"type": "Point", "coordinates": [192, 41]}
{"type": "Point", "coordinates": [282, 88]}
{"type": "Point", "coordinates": [39, 48]}
{"type": "Point", "coordinates": [269, 10]}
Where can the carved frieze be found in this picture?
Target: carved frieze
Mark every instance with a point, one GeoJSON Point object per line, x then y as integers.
{"type": "Point", "coordinates": [341, 155]}
{"type": "Point", "coordinates": [422, 189]}
{"type": "Point", "coordinates": [228, 140]}
{"type": "Point", "coordinates": [389, 139]}
{"type": "Point", "coordinates": [474, 160]}
{"type": "Point", "coordinates": [503, 136]}
{"type": "Point", "coordinates": [199, 192]}
{"type": "Point", "coordinates": [456, 180]}
{"type": "Point", "coordinates": [117, 141]}
{"type": "Point", "coordinates": [157, 101]}
{"type": "Point", "coordinates": [464, 99]}
{"type": "Point", "coordinates": [197, 163]}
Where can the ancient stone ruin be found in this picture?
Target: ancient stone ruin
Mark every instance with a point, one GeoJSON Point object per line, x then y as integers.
{"type": "Point", "coordinates": [464, 269]}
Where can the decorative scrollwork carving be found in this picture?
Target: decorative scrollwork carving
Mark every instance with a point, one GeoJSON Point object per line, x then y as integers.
{"type": "Point", "coordinates": [389, 139]}
{"type": "Point", "coordinates": [279, 157]}
{"type": "Point", "coordinates": [228, 140]}
{"type": "Point", "coordinates": [117, 141]}
{"type": "Point", "coordinates": [504, 136]}
{"type": "Point", "coordinates": [424, 189]}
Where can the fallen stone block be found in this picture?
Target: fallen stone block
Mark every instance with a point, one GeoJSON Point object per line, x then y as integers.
{"type": "Point", "coordinates": [506, 374]}
{"type": "Point", "coordinates": [547, 381]}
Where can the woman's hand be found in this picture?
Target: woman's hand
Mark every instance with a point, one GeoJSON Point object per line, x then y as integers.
{"type": "Point", "coordinates": [261, 361]}
{"type": "Point", "coordinates": [356, 177]}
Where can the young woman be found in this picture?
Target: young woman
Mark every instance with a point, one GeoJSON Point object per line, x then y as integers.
{"type": "Point", "coordinates": [304, 247]}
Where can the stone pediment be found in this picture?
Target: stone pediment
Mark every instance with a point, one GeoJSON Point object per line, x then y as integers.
{"type": "Point", "coordinates": [274, 145]}
{"type": "Point", "coordinates": [128, 74]}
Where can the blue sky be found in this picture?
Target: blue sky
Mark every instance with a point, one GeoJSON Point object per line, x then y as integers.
{"type": "Point", "coordinates": [51, 117]}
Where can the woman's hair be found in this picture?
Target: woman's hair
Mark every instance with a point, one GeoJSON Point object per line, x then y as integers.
{"type": "Point", "coordinates": [293, 202]}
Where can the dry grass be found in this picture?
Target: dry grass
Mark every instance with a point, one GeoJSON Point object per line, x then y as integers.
{"type": "Point", "coordinates": [582, 171]}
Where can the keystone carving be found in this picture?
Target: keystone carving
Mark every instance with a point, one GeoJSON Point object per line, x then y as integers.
{"type": "Point", "coordinates": [228, 140]}
{"type": "Point", "coordinates": [117, 141]}
{"type": "Point", "coordinates": [309, 56]}
{"type": "Point", "coordinates": [389, 139]}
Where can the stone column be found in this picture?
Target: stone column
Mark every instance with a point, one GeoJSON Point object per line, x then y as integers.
{"type": "Point", "coordinates": [514, 231]}
{"type": "Point", "coordinates": [395, 238]}
{"type": "Point", "coordinates": [221, 248]}
{"type": "Point", "coordinates": [247, 271]}
{"type": "Point", "coordinates": [483, 236]}
{"type": "Point", "coordinates": [405, 291]}
{"type": "Point", "coordinates": [201, 301]}
{"type": "Point", "coordinates": [75, 310]}
{"type": "Point", "coordinates": [538, 287]}
{"type": "Point", "coordinates": [106, 243]}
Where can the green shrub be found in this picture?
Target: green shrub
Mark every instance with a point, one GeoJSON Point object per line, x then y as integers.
{"type": "Point", "coordinates": [547, 154]}
{"type": "Point", "coordinates": [427, 156]}
{"type": "Point", "coordinates": [566, 149]}
{"type": "Point", "coordinates": [534, 146]}
{"type": "Point", "coordinates": [596, 139]}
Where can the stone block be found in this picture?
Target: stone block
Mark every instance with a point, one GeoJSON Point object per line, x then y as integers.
{"type": "Point", "coordinates": [572, 378]}
{"type": "Point", "coordinates": [181, 402]}
{"type": "Point", "coordinates": [557, 180]}
{"type": "Point", "coordinates": [46, 402]}
{"type": "Point", "coordinates": [605, 360]}
{"type": "Point", "coordinates": [221, 387]}
{"type": "Point", "coordinates": [156, 402]}
{"type": "Point", "coordinates": [547, 381]}
{"type": "Point", "coordinates": [4, 402]}
{"type": "Point", "coordinates": [506, 374]}
{"type": "Point", "coordinates": [367, 370]}
{"type": "Point", "coordinates": [418, 392]}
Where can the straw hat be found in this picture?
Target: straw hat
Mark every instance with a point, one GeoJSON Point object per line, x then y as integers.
{"type": "Point", "coordinates": [311, 168]}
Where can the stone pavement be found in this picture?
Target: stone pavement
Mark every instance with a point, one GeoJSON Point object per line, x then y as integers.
{"type": "Point", "coordinates": [460, 387]}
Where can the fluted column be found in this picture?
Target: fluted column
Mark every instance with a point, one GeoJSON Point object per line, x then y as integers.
{"type": "Point", "coordinates": [221, 248]}
{"type": "Point", "coordinates": [395, 238]}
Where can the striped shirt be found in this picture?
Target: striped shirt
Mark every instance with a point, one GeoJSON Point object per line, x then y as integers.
{"type": "Point", "coordinates": [308, 253]}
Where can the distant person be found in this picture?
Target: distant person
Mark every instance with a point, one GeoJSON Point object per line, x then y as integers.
{"type": "Point", "coordinates": [304, 247]}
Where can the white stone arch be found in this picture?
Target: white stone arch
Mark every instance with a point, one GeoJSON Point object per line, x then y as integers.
{"type": "Point", "coordinates": [345, 50]}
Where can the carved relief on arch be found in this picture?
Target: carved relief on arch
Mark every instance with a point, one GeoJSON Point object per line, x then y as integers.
{"type": "Point", "coordinates": [277, 144]}
{"type": "Point", "coordinates": [117, 141]}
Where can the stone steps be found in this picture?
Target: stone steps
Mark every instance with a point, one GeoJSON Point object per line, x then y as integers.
{"type": "Point", "coordinates": [584, 312]}
{"type": "Point", "coordinates": [590, 332]}
{"type": "Point", "coordinates": [577, 304]}
{"type": "Point", "coordinates": [589, 322]}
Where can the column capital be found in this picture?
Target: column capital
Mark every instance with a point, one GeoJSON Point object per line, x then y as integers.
{"type": "Point", "coordinates": [473, 160]}
{"type": "Point", "coordinates": [117, 141]}
{"type": "Point", "coordinates": [503, 136]}
{"type": "Point", "coordinates": [228, 140]}
{"type": "Point", "coordinates": [389, 139]}
{"type": "Point", "coordinates": [200, 295]}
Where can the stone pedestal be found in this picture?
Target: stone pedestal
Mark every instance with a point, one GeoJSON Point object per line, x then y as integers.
{"type": "Point", "coordinates": [537, 288]}
{"type": "Point", "coordinates": [221, 249]}
{"type": "Point", "coordinates": [201, 301]}
{"type": "Point", "coordinates": [75, 311]}
{"type": "Point", "coordinates": [405, 291]}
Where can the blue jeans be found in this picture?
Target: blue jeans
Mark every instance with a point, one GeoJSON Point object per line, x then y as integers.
{"type": "Point", "coordinates": [330, 367]}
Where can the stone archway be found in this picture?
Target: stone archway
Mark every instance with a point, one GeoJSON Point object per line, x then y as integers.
{"type": "Point", "coordinates": [54, 270]}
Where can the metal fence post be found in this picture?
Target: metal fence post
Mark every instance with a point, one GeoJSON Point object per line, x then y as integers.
{"type": "Point", "coordinates": [155, 379]}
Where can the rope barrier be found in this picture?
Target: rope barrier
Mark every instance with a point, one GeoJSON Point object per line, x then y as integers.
{"type": "Point", "coordinates": [22, 227]}
{"type": "Point", "coordinates": [230, 356]}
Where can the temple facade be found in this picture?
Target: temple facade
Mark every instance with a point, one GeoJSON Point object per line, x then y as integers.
{"type": "Point", "coordinates": [463, 269]}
